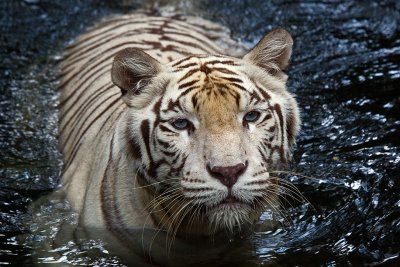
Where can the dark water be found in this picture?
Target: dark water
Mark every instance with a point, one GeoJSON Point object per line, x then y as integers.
{"type": "Point", "coordinates": [345, 73]}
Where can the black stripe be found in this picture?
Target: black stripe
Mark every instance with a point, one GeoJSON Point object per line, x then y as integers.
{"type": "Point", "coordinates": [109, 204]}
{"type": "Point", "coordinates": [77, 148]}
{"type": "Point", "coordinates": [134, 147]}
{"type": "Point", "coordinates": [163, 143]}
{"type": "Point", "coordinates": [187, 84]}
{"type": "Point", "coordinates": [102, 26]}
{"type": "Point", "coordinates": [168, 153]}
{"type": "Point", "coordinates": [263, 156]}
{"type": "Point", "coordinates": [199, 28]}
{"type": "Point", "coordinates": [194, 101]}
{"type": "Point", "coordinates": [86, 39]}
{"type": "Point", "coordinates": [92, 61]}
{"type": "Point", "coordinates": [84, 106]}
{"type": "Point", "coordinates": [188, 74]}
{"type": "Point", "coordinates": [190, 44]}
{"type": "Point", "coordinates": [233, 80]}
{"type": "Point", "coordinates": [165, 129]}
{"type": "Point", "coordinates": [77, 140]}
{"type": "Point", "coordinates": [238, 86]}
{"type": "Point", "coordinates": [223, 70]}
{"type": "Point", "coordinates": [85, 120]}
{"type": "Point", "coordinates": [278, 110]}
{"type": "Point", "coordinates": [80, 87]}
{"type": "Point", "coordinates": [173, 106]}
{"type": "Point", "coordinates": [200, 41]}
{"type": "Point", "coordinates": [266, 118]}
{"type": "Point", "coordinates": [89, 46]}
{"type": "Point", "coordinates": [263, 92]}
{"type": "Point", "coordinates": [291, 122]}
{"type": "Point", "coordinates": [181, 61]}
{"type": "Point", "coordinates": [226, 62]}
{"type": "Point", "coordinates": [188, 90]}
{"type": "Point", "coordinates": [145, 132]}
{"type": "Point", "coordinates": [181, 68]}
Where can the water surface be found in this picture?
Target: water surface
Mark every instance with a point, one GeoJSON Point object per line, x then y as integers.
{"type": "Point", "coordinates": [346, 75]}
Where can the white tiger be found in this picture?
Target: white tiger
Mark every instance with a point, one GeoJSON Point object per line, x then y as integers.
{"type": "Point", "coordinates": [161, 130]}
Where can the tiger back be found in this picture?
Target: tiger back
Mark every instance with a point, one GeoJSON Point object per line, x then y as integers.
{"type": "Point", "coordinates": [160, 129]}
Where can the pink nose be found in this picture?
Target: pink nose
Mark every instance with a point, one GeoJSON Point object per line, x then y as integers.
{"type": "Point", "coordinates": [227, 175]}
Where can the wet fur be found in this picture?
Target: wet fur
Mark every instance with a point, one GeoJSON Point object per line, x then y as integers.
{"type": "Point", "coordinates": [127, 168]}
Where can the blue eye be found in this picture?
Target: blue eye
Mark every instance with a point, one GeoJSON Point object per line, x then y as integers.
{"type": "Point", "coordinates": [181, 124]}
{"type": "Point", "coordinates": [251, 116]}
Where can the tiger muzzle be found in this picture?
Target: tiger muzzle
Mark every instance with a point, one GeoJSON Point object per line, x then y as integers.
{"type": "Point", "coordinates": [227, 175]}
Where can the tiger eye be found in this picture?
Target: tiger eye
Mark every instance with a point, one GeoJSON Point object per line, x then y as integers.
{"type": "Point", "coordinates": [181, 124]}
{"type": "Point", "coordinates": [251, 116]}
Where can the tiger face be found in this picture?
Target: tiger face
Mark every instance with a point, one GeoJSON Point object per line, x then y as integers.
{"type": "Point", "coordinates": [209, 130]}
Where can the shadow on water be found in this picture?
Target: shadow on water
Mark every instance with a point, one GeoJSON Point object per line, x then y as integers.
{"type": "Point", "coordinates": [345, 73]}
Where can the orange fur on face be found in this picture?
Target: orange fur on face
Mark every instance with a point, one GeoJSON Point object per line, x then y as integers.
{"type": "Point", "coordinates": [217, 108]}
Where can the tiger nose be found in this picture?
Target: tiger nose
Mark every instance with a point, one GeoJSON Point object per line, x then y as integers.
{"type": "Point", "coordinates": [229, 175]}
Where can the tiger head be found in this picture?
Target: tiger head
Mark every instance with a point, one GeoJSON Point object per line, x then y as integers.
{"type": "Point", "coordinates": [208, 130]}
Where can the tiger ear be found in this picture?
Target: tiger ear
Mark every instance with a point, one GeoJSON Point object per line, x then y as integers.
{"type": "Point", "coordinates": [132, 70]}
{"type": "Point", "coordinates": [272, 52]}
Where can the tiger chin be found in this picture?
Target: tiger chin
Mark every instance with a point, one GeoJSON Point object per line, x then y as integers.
{"type": "Point", "coordinates": [161, 130]}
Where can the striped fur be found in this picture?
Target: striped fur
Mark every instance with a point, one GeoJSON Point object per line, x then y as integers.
{"type": "Point", "coordinates": [128, 166]}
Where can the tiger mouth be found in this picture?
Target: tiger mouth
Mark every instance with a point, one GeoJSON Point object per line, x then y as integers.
{"type": "Point", "coordinates": [231, 203]}
{"type": "Point", "coordinates": [230, 200]}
